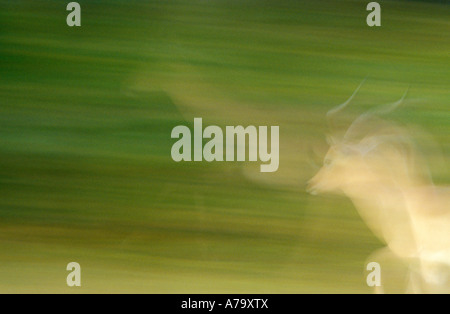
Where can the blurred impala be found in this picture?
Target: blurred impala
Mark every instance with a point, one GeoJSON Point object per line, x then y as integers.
{"type": "Point", "coordinates": [377, 166]}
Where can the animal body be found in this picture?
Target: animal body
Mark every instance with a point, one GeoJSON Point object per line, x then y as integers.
{"type": "Point", "coordinates": [377, 165]}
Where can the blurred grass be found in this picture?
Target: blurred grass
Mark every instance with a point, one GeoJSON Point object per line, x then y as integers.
{"type": "Point", "coordinates": [85, 121]}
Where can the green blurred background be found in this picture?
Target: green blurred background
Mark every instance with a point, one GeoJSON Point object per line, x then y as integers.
{"type": "Point", "coordinates": [85, 120]}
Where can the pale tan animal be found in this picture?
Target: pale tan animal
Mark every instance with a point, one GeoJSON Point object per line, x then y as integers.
{"type": "Point", "coordinates": [377, 166]}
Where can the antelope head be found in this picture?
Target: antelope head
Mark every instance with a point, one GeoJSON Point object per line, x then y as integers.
{"type": "Point", "coordinates": [349, 161]}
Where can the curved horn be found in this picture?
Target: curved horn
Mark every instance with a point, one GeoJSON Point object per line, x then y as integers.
{"type": "Point", "coordinates": [385, 109]}
{"type": "Point", "coordinates": [335, 110]}
{"type": "Point", "coordinates": [390, 107]}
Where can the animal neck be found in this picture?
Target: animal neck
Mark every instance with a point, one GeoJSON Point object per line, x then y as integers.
{"type": "Point", "coordinates": [383, 207]}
